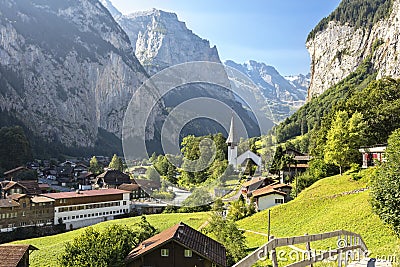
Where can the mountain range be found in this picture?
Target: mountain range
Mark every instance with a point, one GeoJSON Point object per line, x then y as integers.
{"type": "Point", "coordinates": [69, 69]}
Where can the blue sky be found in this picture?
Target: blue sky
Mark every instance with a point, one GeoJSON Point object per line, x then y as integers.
{"type": "Point", "coordinates": [269, 31]}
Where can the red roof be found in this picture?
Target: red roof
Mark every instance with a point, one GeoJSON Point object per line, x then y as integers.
{"type": "Point", "coordinates": [186, 236]}
{"type": "Point", "coordinates": [86, 193]}
{"type": "Point", "coordinates": [10, 255]}
{"type": "Point", "coordinates": [271, 189]}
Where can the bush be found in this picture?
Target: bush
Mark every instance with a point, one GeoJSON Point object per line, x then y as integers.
{"type": "Point", "coordinates": [385, 186]}
{"type": "Point", "coordinates": [105, 248]}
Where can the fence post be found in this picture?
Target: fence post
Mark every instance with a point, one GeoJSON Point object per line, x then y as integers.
{"type": "Point", "coordinates": [308, 248]}
{"type": "Point", "coordinates": [339, 252]}
{"type": "Point", "coordinates": [273, 254]}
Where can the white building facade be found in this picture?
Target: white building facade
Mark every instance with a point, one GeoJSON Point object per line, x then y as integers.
{"type": "Point", "coordinates": [84, 208]}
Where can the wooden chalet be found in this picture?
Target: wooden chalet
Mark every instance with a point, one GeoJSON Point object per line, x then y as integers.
{"type": "Point", "coordinates": [178, 246]}
{"type": "Point", "coordinates": [112, 179]}
{"type": "Point", "coordinates": [15, 255]}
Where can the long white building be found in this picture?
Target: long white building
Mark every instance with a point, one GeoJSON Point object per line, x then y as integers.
{"type": "Point", "coordinates": [83, 208]}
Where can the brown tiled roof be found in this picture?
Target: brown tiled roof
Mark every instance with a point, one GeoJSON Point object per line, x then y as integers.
{"type": "Point", "coordinates": [10, 255]}
{"type": "Point", "coordinates": [8, 185]}
{"type": "Point", "coordinates": [20, 168]}
{"type": "Point", "coordinates": [44, 186]}
{"type": "Point", "coordinates": [8, 203]}
{"type": "Point", "coordinates": [147, 184]}
{"type": "Point", "coordinates": [271, 189]}
{"type": "Point", "coordinates": [115, 177]}
{"type": "Point", "coordinates": [187, 237]}
{"type": "Point", "coordinates": [128, 187]}
{"type": "Point", "coordinates": [253, 181]}
{"type": "Point", "coordinates": [32, 187]}
{"type": "Point", "coordinates": [16, 196]}
{"type": "Point", "coordinates": [85, 193]}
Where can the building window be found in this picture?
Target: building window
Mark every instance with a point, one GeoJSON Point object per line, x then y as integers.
{"type": "Point", "coordinates": [188, 253]}
{"type": "Point", "coordinates": [278, 201]}
{"type": "Point", "coordinates": [164, 252]}
{"type": "Point", "coordinates": [124, 203]}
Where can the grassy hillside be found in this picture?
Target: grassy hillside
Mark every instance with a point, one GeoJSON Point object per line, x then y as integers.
{"type": "Point", "coordinates": [50, 247]}
{"type": "Point", "coordinates": [326, 206]}
{"type": "Point", "coordinates": [330, 204]}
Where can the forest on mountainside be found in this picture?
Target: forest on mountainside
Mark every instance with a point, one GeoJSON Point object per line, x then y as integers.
{"type": "Point", "coordinates": [356, 13]}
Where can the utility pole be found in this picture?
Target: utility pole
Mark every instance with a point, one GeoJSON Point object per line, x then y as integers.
{"type": "Point", "coordinates": [269, 224]}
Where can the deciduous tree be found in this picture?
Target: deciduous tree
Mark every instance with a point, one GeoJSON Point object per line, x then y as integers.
{"type": "Point", "coordinates": [385, 189]}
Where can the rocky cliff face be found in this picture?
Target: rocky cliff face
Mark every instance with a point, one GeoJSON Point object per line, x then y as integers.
{"type": "Point", "coordinates": [339, 49]}
{"type": "Point", "coordinates": [66, 68]}
{"type": "Point", "coordinates": [160, 40]}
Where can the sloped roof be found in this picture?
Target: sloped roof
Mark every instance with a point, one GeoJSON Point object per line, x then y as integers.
{"type": "Point", "coordinates": [16, 196]}
{"type": "Point", "coordinates": [8, 203]}
{"type": "Point", "coordinates": [85, 193]}
{"type": "Point", "coordinates": [249, 155]}
{"type": "Point", "coordinates": [20, 168]}
{"type": "Point", "coordinates": [10, 255]}
{"type": "Point", "coordinates": [187, 237]}
{"type": "Point", "coordinates": [129, 187]}
{"type": "Point", "coordinates": [115, 177]}
{"type": "Point", "coordinates": [271, 189]}
{"type": "Point", "coordinates": [31, 186]}
{"type": "Point", "coordinates": [41, 199]}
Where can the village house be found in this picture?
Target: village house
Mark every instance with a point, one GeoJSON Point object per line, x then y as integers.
{"type": "Point", "coordinates": [299, 165]}
{"type": "Point", "coordinates": [85, 181]}
{"type": "Point", "coordinates": [271, 195]}
{"type": "Point", "coordinates": [15, 255]}
{"type": "Point", "coordinates": [112, 179]}
{"type": "Point", "coordinates": [178, 246]}
{"type": "Point", "coordinates": [29, 187]}
{"type": "Point", "coordinates": [12, 174]}
{"type": "Point", "coordinates": [82, 208]}
{"type": "Point", "coordinates": [371, 155]}
{"type": "Point", "coordinates": [136, 192]}
{"type": "Point", "coordinates": [139, 171]}
{"type": "Point", "coordinates": [21, 210]}
{"type": "Point", "coordinates": [255, 183]}
{"type": "Point", "coordinates": [148, 185]}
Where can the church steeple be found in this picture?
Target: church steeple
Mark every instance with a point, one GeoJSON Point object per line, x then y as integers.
{"type": "Point", "coordinates": [231, 140]}
{"type": "Point", "coordinates": [232, 145]}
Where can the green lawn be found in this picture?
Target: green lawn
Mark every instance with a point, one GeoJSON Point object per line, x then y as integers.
{"type": "Point", "coordinates": [50, 247]}
{"type": "Point", "coordinates": [322, 208]}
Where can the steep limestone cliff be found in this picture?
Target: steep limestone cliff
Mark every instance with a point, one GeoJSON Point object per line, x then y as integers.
{"type": "Point", "coordinates": [339, 48]}
{"type": "Point", "coordinates": [66, 69]}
